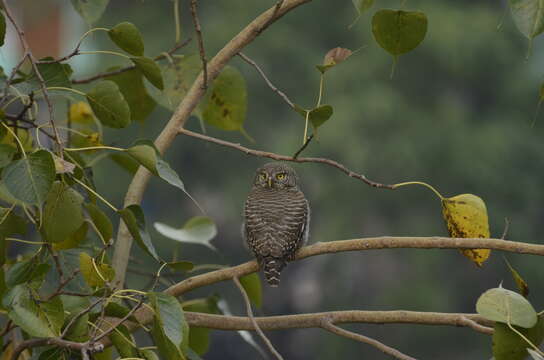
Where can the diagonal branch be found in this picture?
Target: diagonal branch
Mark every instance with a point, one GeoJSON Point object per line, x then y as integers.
{"type": "Point", "coordinates": [27, 53]}
{"type": "Point", "coordinates": [265, 78]}
{"type": "Point", "coordinates": [286, 158]}
{"type": "Point", "coordinates": [253, 322]}
{"type": "Point", "coordinates": [139, 183]}
{"type": "Point", "coordinates": [198, 31]}
{"type": "Point", "coordinates": [328, 325]}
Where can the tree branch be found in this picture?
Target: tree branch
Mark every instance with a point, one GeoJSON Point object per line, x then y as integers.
{"type": "Point", "coordinates": [285, 157]}
{"type": "Point", "coordinates": [268, 82]}
{"type": "Point", "coordinates": [198, 31]}
{"type": "Point", "coordinates": [313, 320]}
{"type": "Point", "coordinates": [253, 322]}
{"type": "Point", "coordinates": [139, 183]}
{"type": "Point", "coordinates": [84, 347]}
{"type": "Point", "coordinates": [144, 316]}
{"type": "Point", "coordinates": [27, 53]}
{"type": "Point", "coordinates": [130, 67]}
{"type": "Point", "coordinates": [328, 325]}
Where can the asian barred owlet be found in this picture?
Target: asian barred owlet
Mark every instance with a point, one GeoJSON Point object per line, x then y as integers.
{"type": "Point", "coordinates": [277, 217]}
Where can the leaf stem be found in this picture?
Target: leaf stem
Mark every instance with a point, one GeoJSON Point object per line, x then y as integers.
{"type": "Point", "coordinates": [321, 87]}
{"type": "Point", "coordinates": [418, 183]}
{"type": "Point", "coordinates": [26, 241]}
{"type": "Point", "coordinates": [95, 148]}
{"type": "Point", "coordinates": [95, 194]}
{"type": "Point", "coordinates": [177, 22]}
{"type": "Point", "coordinates": [306, 127]}
{"type": "Point", "coordinates": [104, 52]}
{"type": "Point", "coordinates": [16, 139]}
{"type": "Point", "coordinates": [67, 89]}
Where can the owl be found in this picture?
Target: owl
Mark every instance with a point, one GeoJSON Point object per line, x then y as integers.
{"type": "Point", "coordinates": [276, 219]}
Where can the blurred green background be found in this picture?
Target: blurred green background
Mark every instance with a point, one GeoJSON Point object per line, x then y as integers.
{"type": "Point", "coordinates": [457, 115]}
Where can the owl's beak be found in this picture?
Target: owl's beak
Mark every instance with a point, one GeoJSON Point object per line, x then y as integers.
{"type": "Point", "coordinates": [270, 183]}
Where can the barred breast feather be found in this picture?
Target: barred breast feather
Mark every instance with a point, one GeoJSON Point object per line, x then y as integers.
{"type": "Point", "coordinates": [276, 226]}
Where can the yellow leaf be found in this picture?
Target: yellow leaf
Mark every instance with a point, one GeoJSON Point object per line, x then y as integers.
{"type": "Point", "coordinates": [93, 273]}
{"type": "Point", "coordinates": [81, 113]}
{"type": "Point", "coordinates": [466, 217]}
{"type": "Point", "coordinates": [24, 137]}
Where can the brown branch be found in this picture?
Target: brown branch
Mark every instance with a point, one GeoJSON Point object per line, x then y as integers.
{"type": "Point", "coordinates": [303, 146]}
{"type": "Point", "coordinates": [130, 67]}
{"type": "Point", "coordinates": [253, 322]}
{"type": "Point", "coordinates": [474, 325]}
{"type": "Point", "coordinates": [313, 320]}
{"type": "Point", "coordinates": [139, 182]}
{"type": "Point", "coordinates": [198, 31]}
{"type": "Point", "coordinates": [28, 54]}
{"type": "Point", "coordinates": [144, 316]}
{"type": "Point", "coordinates": [328, 325]}
{"type": "Point", "coordinates": [285, 157]}
{"type": "Point", "coordinates": [84, 347]}
{"type": "Point", "coordinates": [61, 286]}
{"type": "Point", "coordinates": [265, 78]}
{"type": "Point", "coordinates": [120, 321]}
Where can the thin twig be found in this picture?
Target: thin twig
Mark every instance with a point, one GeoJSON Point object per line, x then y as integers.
{"type": "Point", "coordinates": [78, 315]}
{"type": "Point", "coordinates": [32, 124]}
{"type": "Point", "coordinates": [61, 285]}
{"type": "Point", "coordinates": [121, 321]}
{"type": "Point", "coordinates": [506, 227]}
{"type": "Point", "coordinates": [130, 67]}
{"type": "Point", "coordinates": [465, 321]}
{"type": "Point", "coordinates": [252, 318]}
{"type": "Point", "coordinates": [303, 146]}
{"type": "Point", "coordinates": [286, 158]}
{"type": "Point", "coordinates": [28, 53]}
{"type": "Point", "coordinates": [56, 260]}
{"type": "Point", "coordinates": [329, 326]}
{"type": "Point", "coordinates": [268, 82]}
{"type": "Point", "coordinates": [78, 346]}
{"type": "Point", "coordinates": [26, 107]}
{"type": "Point", "coordinates": [198, 31]}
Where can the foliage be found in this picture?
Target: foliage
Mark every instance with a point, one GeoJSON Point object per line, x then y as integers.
{"type": "Point", "coordinates": [50, 198]}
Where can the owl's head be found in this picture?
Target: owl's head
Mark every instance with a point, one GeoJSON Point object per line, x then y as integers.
{"type": "Point", "coordinates": [276, 175]}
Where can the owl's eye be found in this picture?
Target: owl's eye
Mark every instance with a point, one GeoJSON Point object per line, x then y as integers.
{"type": "Point", "coordinates": [280, 176]}
{"type": "Point", "coordinates": [262, 177]}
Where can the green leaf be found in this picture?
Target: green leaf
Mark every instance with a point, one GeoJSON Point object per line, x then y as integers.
{"type": "Point", "coordinates": [253, 288]}
{"type": "Point", "coordinates": [24, 312]}
{"type": "Point", "coordinates": [6, 154]}
{"type": "Point", "coordinates": [528, 16]}
{"type": "Point", "coordinates": [146, 154]}
{"type": "Point", "coordinates": [523, 288]}
{"type": "Point", "coordinates": [55, 74]}
{"type": "Point", "coordinates": [178, 75]}
{"type": "Point", "coordinates": [120, 339]}
{"type": "Point", "coordinates": [101, 221]}
{"type": "Point", "coordinates": [150, 70]}
{"type": "Point", "coordinates": [25, 271]}
{"type": "Point", "coordinates": [198, 230]}
{"type": "Point", "coordinates": [2, 28]}
{"type": "Point", "coordinates": [227, 105]}
{"type": "Point", "coordinates": [74, 305]}
{"type": "Point", "coordinates": [183, 266]}
{"type": "Point", "coordinates": [132, 87]}
{"type": "Point", "coordinates": [90, 10]}
{"type": "Point", "coordinates": [362, 5]}
{"type": "Point", "coordinates": [109, 105]}
{"type": "Point", "coordinates": [127, 36]}
{"type": "Point", "coordinates": [134, 219]}
{"type": "Point", "coordinates": [74, 240]}
{"type": "Point", "coordinates": [63, 203]}
{"type": "Point", "coordinates": [503, 305]}
{"type": "Point", "coordinates": [398, 31]}
{"type": "Point", "coordinates": [94, 274]}
{"type": "Point", "coordinates": [10, 223]}
{"type": "Point", "coordinates": [149, 354]}
{"type": "Point", "coordinates": [54, 311]}
{"type": "Point", "coordinates": [29, 179]}
{"type": "Point", "coordinates": [507, 345]}
{"type": "Point", "coordinates": [170, 327]}
{"type": "Point", "coordinates": [317, 116]}
{"type": "Point", "coordinates": [106, 354]}
{"type": "Point", "coordinates": [199, 339]}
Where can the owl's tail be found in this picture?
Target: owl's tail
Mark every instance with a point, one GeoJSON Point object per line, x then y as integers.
{"type": "Point", "coordinates": [272, 268]}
